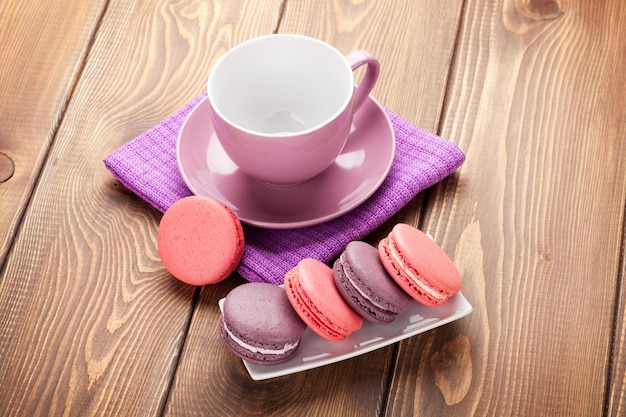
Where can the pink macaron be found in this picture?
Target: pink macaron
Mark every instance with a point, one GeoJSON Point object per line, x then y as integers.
{"type": "Point", "coordinates": [310, 287]}
{"type": "Point", "coordinates": [200, 240]}
{"type": "Point", "coordinates": [419, 265]}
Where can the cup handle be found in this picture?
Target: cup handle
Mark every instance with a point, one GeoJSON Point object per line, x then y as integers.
{"type": "Point", "coordinates": [362, 91]}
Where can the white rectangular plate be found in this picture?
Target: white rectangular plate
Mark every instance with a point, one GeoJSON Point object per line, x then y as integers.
{"type": "Point", "coordinates": [316, 351]}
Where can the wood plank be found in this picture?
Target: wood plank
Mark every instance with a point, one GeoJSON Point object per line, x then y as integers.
{"type": "Point", "coordinates": [537, 101]}
{"type": "Point", "coordinates": [91, 324]}
{"type": "Point", "coordinates": [40, 65]}
{"type": "Point", "coordinates": [210, 380]}
{"type": "Point", "coordinates": [616, 398]}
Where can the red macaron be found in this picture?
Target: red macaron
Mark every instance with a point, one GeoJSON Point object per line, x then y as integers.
{"type": "Point", "coordinates": [419, 265]}
{"type": "Point", "coordinates": [200, 240]}
{"type": "Point", "coordinates": [310, 287]}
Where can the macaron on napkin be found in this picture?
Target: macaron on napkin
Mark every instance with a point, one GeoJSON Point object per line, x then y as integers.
{"type": "Point", "coordinates": [147, 166]}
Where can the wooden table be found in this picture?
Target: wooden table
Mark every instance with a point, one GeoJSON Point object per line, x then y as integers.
{"type": "Point", "coordinates": [533, 91]}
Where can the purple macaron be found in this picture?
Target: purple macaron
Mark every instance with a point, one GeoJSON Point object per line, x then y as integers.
{"type": "Point", "coordinates": [259, 325]}
{"type": "Point", "coordinates": [364, 283]}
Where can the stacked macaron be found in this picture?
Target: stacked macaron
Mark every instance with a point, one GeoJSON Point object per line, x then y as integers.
{"type": "Point", "coordinates": [419, 265]}
{"type": "Point", "coordinates": [259, 325]}
{"type": "Point", "coordinates": [365, 283]}
{"type": "Point", "coordinates": [311, 290]}
{"type": "Point", "coordinates": [366, 286]}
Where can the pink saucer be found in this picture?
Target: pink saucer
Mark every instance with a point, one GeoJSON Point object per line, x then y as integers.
{"type": "Point", "coordinates": [356, 174]}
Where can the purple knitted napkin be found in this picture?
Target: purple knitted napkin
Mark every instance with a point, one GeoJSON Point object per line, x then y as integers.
{"type": "Point", "coordinates": [147, 166]}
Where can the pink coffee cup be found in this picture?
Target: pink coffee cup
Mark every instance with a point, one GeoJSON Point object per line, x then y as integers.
{"type": "Point", "coordinates": [282, 105]}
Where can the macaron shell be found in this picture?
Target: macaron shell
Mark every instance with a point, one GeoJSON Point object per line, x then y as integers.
{"type": "Point", "coordinates": [311, 290]}
{"type": "Point", "coordinates": [422, 259]}
{"type": "Point", "coordinates": [200, 240]}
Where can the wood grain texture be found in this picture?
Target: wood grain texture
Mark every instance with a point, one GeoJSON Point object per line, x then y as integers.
{"type": "Point", "coordinates": [90, 322]}
{"type": "Point", "coordinates": [534, 220]}
{"type": "Point", "coordinates": [414, 42]}
{"type": "Point", "coordinates": [616, 398]}
{"type": "Point", "coordinates": [35, 87]}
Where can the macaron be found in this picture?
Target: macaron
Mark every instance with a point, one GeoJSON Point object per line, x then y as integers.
{"type": "Point", "coordinates": [419, 265]}
{"type": "Point", "coordinates": [259, 324]}
{"type": "Point", "coordinates": [200, 240]}
{"type": "Point", "coordinates": [366, 286]}
{"type": "Point", "coordinates": [311, 289]}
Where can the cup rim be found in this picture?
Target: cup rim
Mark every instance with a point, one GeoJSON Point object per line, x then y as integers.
{"type": "Point", "coordinates": [307, 131]}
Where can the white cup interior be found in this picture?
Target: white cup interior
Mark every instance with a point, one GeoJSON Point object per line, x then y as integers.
{"type": "Point", "coordinates": [280, 84]}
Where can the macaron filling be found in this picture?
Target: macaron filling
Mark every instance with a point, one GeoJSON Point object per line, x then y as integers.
{"type": "Point", "coordinates": [360, 291]}
{"type": "Point", "coordinates": [288, 347]}
{"type": "Point", "coordinates": [417, 279]}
